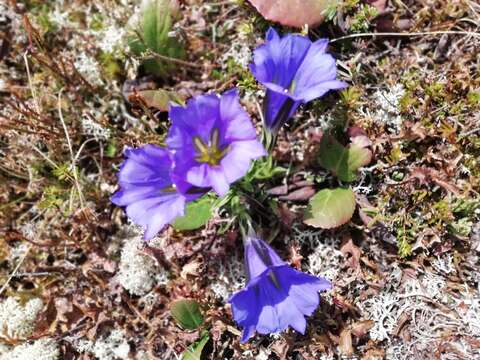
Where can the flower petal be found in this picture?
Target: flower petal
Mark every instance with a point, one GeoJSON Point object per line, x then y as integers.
{"type": "Point", "coordinates": [245, 309]}
{"type": "Point", "coordinates": [239, 125]}
{"type": "Point", "coordinates": [239, 158]}
{"type": "Point", "coordinates": [207, 137]}
{"type": "Point", "coordinates": [154, 213]}
{"type": "Point", "coordinates": [277, 60]}
{"type": "Point", "coordinates": [316, 76]}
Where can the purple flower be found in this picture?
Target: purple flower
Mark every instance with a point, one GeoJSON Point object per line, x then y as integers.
{"type": "Point", "coordinates": [213, 141]}
{"type": "Point", "coordinates": [151, 198]}
{"type": "Point", "coordinates": [276, 296]}
{"type": "Point", "coordinates": [294, 71]}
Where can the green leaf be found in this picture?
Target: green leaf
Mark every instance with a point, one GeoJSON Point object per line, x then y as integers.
{"type": "Point", "coordinates": [156, 23]}
{"type": "Point", "coordinates": [343, 161]}
{"type": "Point", "coordinates": [111, 150]}
{"type": "Point", "coordinates": [194, 352]}
{"type": "Point", "coordinates": [155, 26]}
{"type": "Point", "coordinates": [330, 208]}
{"type": "Point", "coordinates": [358, 156]}
{"type": "Point", "coordinates": [197, 214]}
{"type": "Point", "coordinates": [159, 99]}
{"type": "Point", "coordinates": [186, 313]}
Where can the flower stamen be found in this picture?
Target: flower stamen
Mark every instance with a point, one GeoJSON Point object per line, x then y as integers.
{"type": "Point", "coordinates": [210, 153]}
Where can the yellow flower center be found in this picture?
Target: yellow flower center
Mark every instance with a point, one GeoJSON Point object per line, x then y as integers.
{"type": "Point", "coordinates": [209, 153]}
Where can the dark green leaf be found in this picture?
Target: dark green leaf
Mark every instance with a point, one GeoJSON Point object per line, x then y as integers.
{"type": "Point", "coordinates": [197, 214]}
{"type": "Point", "coordinates": [343, 161]}
{"type": "Point", "coordinates": [194, 352]}
{"type": "Point", "coordinates": [155, 26]}
{"type": "Point", "coordinates": [186, 313]}
{"type": "Point", "coordinates": [330, 208]}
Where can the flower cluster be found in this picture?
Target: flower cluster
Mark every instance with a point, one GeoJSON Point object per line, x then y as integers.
{"type": "Point", "coordinates": [211, 144]}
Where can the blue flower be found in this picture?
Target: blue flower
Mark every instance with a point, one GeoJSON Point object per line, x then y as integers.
{"type": "Point", "coordinates": [151, 197]}
{"type": "Point", "coordinates": [276, 295]}
{"type": "Point", "coordinates": [295, 71]}
{"type": "Point", "coordinates": [213, 141]}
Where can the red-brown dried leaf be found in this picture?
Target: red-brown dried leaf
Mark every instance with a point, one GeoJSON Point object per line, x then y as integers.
{"type": "Point", "coordinates": [349, 248]}
{"type": "Point", "coordinates": [295, 13]}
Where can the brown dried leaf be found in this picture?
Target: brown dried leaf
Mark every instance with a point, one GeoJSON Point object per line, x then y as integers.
{"type": "Point", "coordinates": [301, 194]}
{"type": "Point", "coordinates": [349, 248]}
{"type": "Point", "coordinates": [345, 343]}
{"type": "Point", "coordinates": [361, 328]}
{"type": "Point", "coordinates": [428, 175]}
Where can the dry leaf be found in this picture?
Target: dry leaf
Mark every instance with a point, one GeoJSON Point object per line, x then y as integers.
{"type": "Point", "coordinates": [345, 344]}
{"type": "Point", "coordinates": [361, 328]}
{"type": "Point", "coordinates": [349, 248]}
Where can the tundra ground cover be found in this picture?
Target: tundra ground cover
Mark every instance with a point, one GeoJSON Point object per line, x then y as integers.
{"type": "Point", "coordinates": [399, 146]}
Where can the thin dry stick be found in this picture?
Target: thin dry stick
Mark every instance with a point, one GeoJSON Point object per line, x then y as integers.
{"type": "Point", "coordinates": [72, 156]}
{"type": "Point", "coordinates": [30, 84]}
{"type": "Point", "coordinates": [20, 262]}
{"type": "Point", "coordinates": [372, 34]}
{"type": "Point", "coordinates": [173, 60]}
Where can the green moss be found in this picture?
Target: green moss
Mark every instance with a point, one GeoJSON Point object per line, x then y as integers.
{"type": "Point", "coordinates": [63, 172]}
{"type": "Point", "coordinates": [52, 197]}
{"type": "Point", "coordinates": [360, 22]}
{"type": "Point", "coordinates": [43, 19]}
{"type": "Point", "coordinates": [473, 98]}
{"type": "Point", "coordinates": [96, 22]}
{"type": "Point", "coordinates": [110, 65]}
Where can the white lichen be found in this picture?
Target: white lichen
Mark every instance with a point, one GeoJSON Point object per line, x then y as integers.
{"type": "Point", "coordinates": [88, 67]}
{"type": "Point", "coordinates": [92, 128]}
{"type": "Point", "coordinates": [111, 39]}
{"type": "Point", "coordinates": [230, 277]}
{"type": "Point", "coordinates": [114, 346]}
{"type": "Point", "coordinates": [138, 272]}
{"type": "Point", "coordinates": [42, 349]}
{"type": "Point", "coordinates": [325, 258]}
{"type": "Point", "coordinates": [386, 107]}
{"type": "Point", "coordinates": [17, 321]}
{"type": "Point", "coordinates": [444, 264]}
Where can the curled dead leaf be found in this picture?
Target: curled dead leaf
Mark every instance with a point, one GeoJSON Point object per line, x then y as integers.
{"type": "Point", "coordinates": [361, 328]}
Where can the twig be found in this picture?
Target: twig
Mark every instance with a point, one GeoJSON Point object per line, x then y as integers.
{"type": "Point", "coordinates": [74, 167]}
{"type": "Point", "coordinates": [20, 262]}
{"type": "Point", "coordinates": [471, 132]}
{"type": "Point", "coordinates": [30, 84]}
{"type": "Point", "coordinates": [174, 60]}
{"type": "Point", "coordinates": [422, 33]}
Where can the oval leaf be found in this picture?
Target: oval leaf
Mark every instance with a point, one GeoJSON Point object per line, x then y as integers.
{"type": "Point", "coordinates": [343, 161]}
{"type": "Point", "coordinates": [197, 214]}
{"type": "Point", "coordinates": [358, 156]}
{"type": "Point", "coordinates": [330, 208]}
{"type": "Point", "coordinates": [296, 13]}
{"type": "Point", "coordinates": [159, 99]}
{"type": "Point", "coordinates": [186, 313]}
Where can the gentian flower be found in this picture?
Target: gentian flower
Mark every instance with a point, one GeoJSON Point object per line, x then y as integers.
{"type": "Point", "coordinates": [276, 295]}
{"type": "Point", "coordinates": [295, 71]}
{"type": "Point", "coordinates": [151, 197]}
{"type": "Point", "coordinates": [213, 141]}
